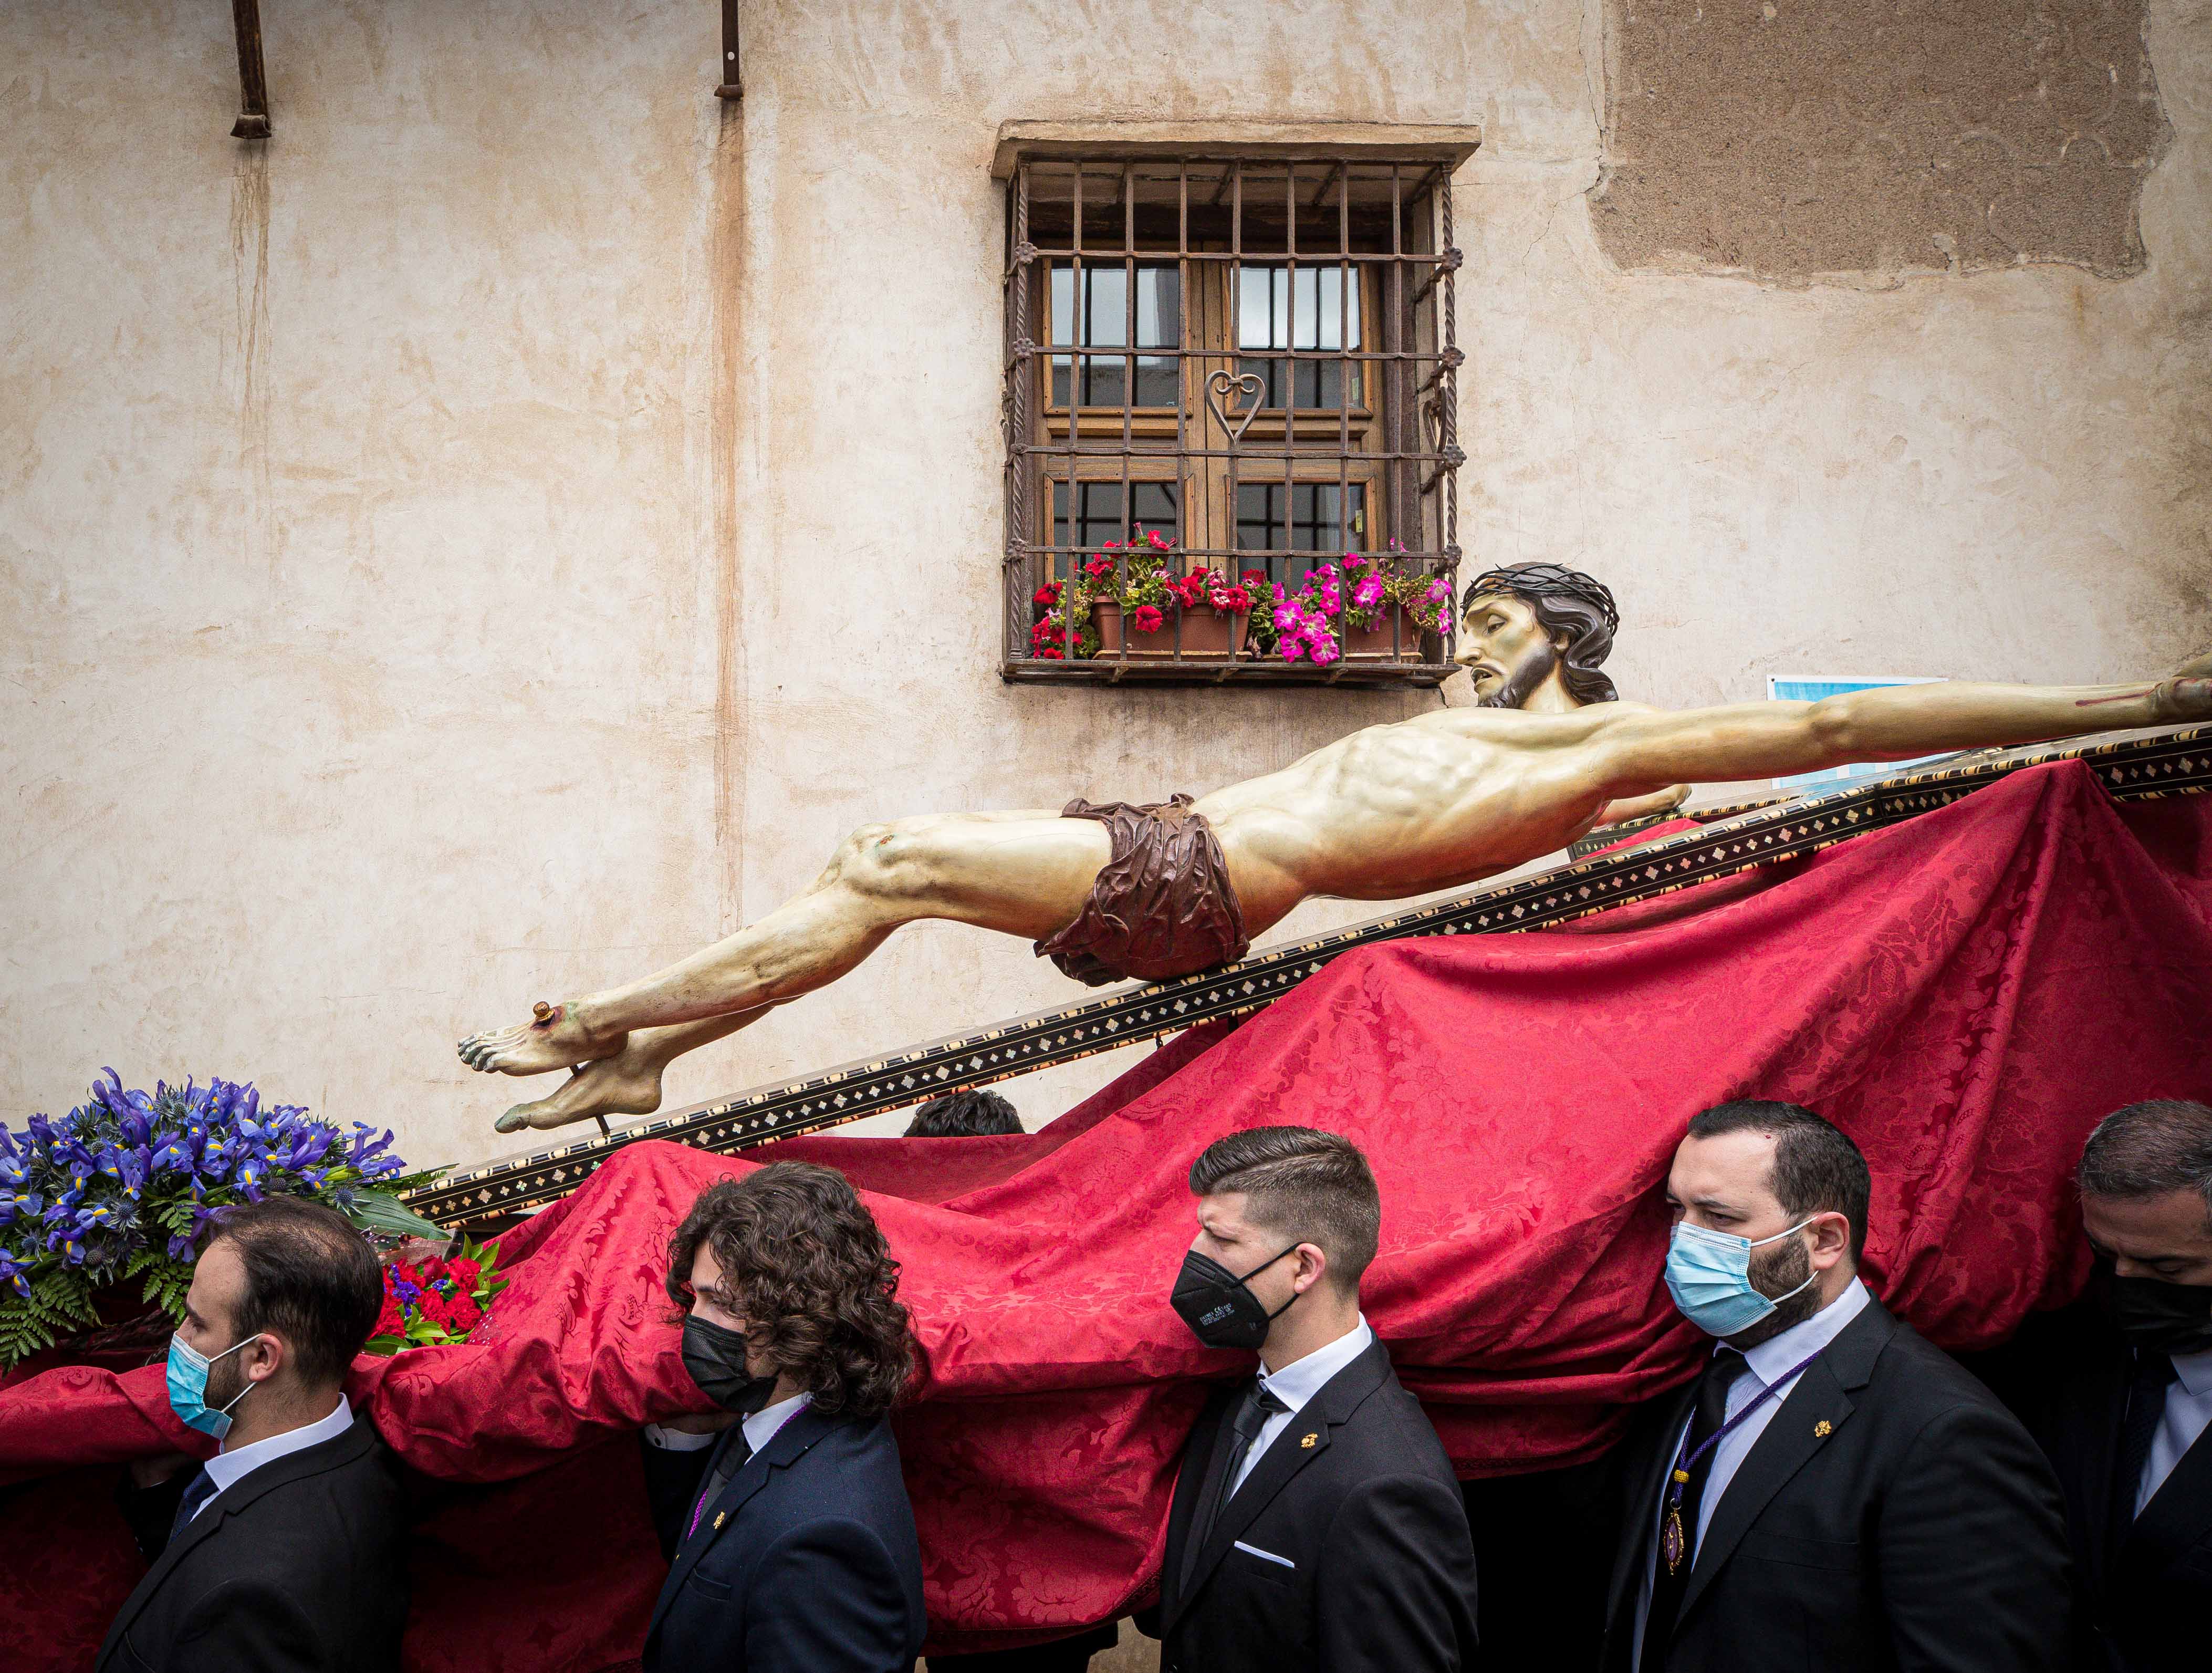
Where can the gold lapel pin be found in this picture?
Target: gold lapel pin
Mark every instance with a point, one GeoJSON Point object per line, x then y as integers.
{"type": "Point", "coordinates": [1823, 1429]}
{"type": "Point", "coordinates": [721, 1516]}
{"type": "Point", "coordinates": [1310, 1441]}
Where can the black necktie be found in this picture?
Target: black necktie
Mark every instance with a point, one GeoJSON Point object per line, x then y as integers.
{"type": "Point", "coordinates": [198, 1492]}
{"type": "Point", "coordinates": [1668, 1586]}
{"type": "Point", "coordinates": [2146, 1406]}
{"type": "Point", "coordinates": [1252, 1414]}
{"type": "Point", "coordinates": [723, 1472]}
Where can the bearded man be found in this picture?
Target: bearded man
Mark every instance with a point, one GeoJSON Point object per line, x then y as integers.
{"type": "Point", "coordinates": [1113, 890]}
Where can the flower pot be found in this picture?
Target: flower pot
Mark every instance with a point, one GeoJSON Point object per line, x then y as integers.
{"type": "Point", "coordinates": [1375, 644]}
{"type": "Point", "coordinates": [1208, 635]}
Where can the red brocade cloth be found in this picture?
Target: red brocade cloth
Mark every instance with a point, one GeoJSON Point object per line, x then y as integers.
{"type": "Point", "coordinates": [1966, 994]}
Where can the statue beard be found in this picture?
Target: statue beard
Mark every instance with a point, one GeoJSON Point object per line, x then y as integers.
{"type": "Point", "coordinates": [1520, 684]}
{"type": "Point", "coordinates": [1775, 1272]}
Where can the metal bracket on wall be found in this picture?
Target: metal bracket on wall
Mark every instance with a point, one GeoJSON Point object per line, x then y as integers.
{"type": "Point", "coordinates": [733, 85]}
{"type": "Point", "coordinates": [252, 87]}
{"type": "Point", "coordinates": [2169, 762]}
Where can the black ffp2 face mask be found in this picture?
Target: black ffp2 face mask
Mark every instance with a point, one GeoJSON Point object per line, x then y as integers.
{"type": "Point", "coordinates": [1219, 1308]}
{"type": "Point", "coordinates": [2158, 1317]}
{"type": "Point", "coordinates": [715, 1357]}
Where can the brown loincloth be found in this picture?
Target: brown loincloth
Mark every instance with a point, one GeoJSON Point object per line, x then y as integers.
{"type": "Point", "coordinates": [1162, 906]}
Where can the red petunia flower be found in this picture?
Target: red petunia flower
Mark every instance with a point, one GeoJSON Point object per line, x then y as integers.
{"type": "Point", "coordinates": [1147, 618]}
{"type": "Point", "coordinates": [1047, 593]}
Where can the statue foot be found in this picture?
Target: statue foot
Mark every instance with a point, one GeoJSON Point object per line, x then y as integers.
{"type": "Point", "coordinates": [628, 1084]}
{"type": "Point", "coordinates": [556, 1040]}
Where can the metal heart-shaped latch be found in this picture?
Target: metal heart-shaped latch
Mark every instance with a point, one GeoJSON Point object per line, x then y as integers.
{"type": "Point", "coordinates": [1251, 385]}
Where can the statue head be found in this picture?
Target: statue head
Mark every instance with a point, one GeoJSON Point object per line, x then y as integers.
{"type": "Point", "coordinates": [1522, 624]}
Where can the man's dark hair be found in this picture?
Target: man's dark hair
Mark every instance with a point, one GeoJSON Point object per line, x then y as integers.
{"type": "Point", "coordinates": [974, 1114]}
{"type": "Point", "coordinates": [1817, 1168]}
{"type": "Point", "coordinates": [310, 1278]}
{"type": "Point", "coordinates": [808, 1270]}
{"type": "Point", "coordinates": [2152, 1148]}
{"type": "Point", "coordinates": [1305, 1184]}
{"type": "Point", "coordinates": [1565, 601]}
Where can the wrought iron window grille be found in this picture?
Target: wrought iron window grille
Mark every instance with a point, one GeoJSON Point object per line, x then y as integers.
{"type": "Point", "coordinates": [1256, 356]}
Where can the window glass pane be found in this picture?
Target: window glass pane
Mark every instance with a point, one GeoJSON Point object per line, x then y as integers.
{"type": "Point", "coordinates": [1105, 324]}
{"type": "Point", "coordinates": [1306, 519]}
{"type": "Point", "coordinates": [1095, 517]}
{"type": "Point", "coordinates": [1307, 307]}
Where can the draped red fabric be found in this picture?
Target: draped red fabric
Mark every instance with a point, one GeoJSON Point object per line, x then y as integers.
{"type": "Point", "coordinates": [1966, 994]}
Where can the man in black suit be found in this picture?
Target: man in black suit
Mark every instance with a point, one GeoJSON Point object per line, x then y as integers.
{"type": "Point", "coordinates": [2126, 1413]}
{"type": "Point", "coordinates": [1832, 1492]}
{"type": "Point", "coordinates": [1317, 1526]}
{"type": "Point", "coordinates": [283, 1551]}
{"type": "Point", "coordinates": [785, 1516]}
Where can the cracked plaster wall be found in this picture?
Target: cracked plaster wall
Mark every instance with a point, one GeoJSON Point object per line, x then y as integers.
{"type": "Point", "coordinates": [420, 543]}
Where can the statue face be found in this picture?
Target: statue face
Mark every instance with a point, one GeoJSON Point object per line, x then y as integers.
{"type": "Point", "coordinates": [1504, 648]}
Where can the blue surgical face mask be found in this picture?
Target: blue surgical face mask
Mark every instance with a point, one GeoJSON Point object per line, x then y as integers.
{"type": "Point", "coordinates": [1709, 1274]}
{"type": "Point", "coordinates": [188, 1377]}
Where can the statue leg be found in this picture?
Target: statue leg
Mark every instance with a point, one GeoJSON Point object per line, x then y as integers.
{"type": "Point", "coordinates": [1641, 751]}
{"type": "Point", "coordinates": [1023, 874]}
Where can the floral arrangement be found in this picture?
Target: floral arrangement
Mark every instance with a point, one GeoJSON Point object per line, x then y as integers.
{"type": "Point", "coordinates": [439, 1301]}
{"type": "Point", "coordinates": [1356, 591]}
{"type": "Point", "coordinates": [119, 1188]}
{"type": "Point", "coordinates": [1142, 583]}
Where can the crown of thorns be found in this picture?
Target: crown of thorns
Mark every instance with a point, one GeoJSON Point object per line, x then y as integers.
{"type": "Point", "coordinates": [1548, 580]}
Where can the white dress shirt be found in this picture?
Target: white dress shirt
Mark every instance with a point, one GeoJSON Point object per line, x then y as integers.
{"type": "Point", "coordinates": [1770, 1359]}
{"type": "Point", "coordinates": [2188, 1410]}
{"type": "Point", "coordinates": [229, 1466]}
{"type": "Point", "coordinates": [1297, 1383]}
{"type": "Point", "coordinates": [760, 1429]}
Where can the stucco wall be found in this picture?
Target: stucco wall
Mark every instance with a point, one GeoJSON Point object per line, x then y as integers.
{"type": "Point", "coordinates": [501, 533]}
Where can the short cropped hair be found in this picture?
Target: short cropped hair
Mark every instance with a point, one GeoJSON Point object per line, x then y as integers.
{"type": "Point", "coordinates": [974, 1114]}
{"type": "Point", "coordinates": [1305, 1184]}
{"type": "Point", "coordinates": [1817, 1168]}
{"type": "Point", "coordinates": [2152, 1148]}
{"type": "Point", "coordinates": [310, 1278]}
{"type": "Point", "coordinates": [809, 1271]}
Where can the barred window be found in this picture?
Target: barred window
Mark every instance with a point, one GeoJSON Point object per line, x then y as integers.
{"type": "Point", "coordinates": [1241, 365]}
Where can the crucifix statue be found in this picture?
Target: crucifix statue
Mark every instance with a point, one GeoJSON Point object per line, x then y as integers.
{"type": "Point", "coordinates": [1114, 891]}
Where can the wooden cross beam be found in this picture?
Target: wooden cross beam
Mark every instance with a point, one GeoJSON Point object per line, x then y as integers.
{"type": "Point", "coordinates": [2172, 763]}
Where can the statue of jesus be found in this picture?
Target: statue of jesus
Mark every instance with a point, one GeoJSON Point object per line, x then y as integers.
{"type": "Point", "coordinates": [1116, 890]}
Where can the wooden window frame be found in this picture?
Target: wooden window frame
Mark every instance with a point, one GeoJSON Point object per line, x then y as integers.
{"type": "Point", "coordinates": [1394, 443]}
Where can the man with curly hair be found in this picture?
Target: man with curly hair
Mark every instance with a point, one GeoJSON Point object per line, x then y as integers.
{"type": "Point", "coordinates": [783, 1513]}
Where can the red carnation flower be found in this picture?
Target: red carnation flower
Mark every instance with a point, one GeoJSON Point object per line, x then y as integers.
{"type": "Point", "coordinates": [462, 1314]}
{"type": "Point", "coordinates": [392, 1321]}
{"type": "Point", "coordinates": [464, 1273]}
{"type": "Point", "coordinates": [435, 1308]}
{"type": "Point", "coordinates": [1147, 618]}
{"type": "Point", "coordinates": [405, 1273]}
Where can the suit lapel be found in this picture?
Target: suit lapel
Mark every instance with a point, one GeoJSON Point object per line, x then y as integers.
{"type": "Point", "coordinates": [2179, 1515]}
{"type": "Point", "coordinates": [338, 1450]}
{"type": "Point", "coordinates": [1808, 1419]}
{"type": "Point", "coordinates": [1635, 1550]}
{"type": "Point", "coordinates": [2100, 1442]}
{"type": "Point", "coordinates": [786, 1447]}
{"type": "Point", "coordinates": [1306, 1438]}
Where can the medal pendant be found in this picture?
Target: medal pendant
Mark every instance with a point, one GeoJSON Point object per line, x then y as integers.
{"type": "Point", "coordinates": [1670, 1540]}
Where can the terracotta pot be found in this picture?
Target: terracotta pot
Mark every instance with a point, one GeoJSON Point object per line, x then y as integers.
{"type": "Point", "coordinates": [1208, 635]}
{"type": "Point", "coordinates": [1374, 644]}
